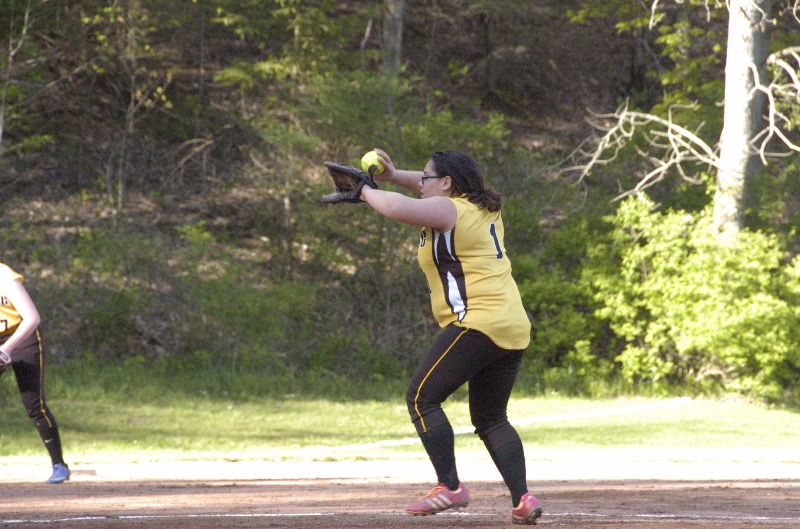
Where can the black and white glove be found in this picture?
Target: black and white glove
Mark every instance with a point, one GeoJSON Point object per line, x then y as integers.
{"type": "Point", "coordinates": [348, 182]}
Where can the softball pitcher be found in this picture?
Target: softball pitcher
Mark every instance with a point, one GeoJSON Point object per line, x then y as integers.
{"type": "Point", "coordinates": [485, 328]}
{"type": "Point", "coordinates": [21, 348]}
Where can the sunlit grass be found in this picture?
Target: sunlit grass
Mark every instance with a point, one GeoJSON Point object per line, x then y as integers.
{"type": "Point", "coordinates": [272, 429]}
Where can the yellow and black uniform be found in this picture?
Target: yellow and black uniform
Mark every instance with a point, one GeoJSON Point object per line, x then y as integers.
{"type": "Point", "coordinates": [485, 330]}
{"type": "Point", "coordinates": [469, 277]}
{"type": "Point", "coordinates": [9, 317]}
{"type": "Point", "coordinates": [28, 365]}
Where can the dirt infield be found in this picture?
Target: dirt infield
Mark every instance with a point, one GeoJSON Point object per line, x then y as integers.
{"type": "Point", "coordinates": [348, 503]}
{"type": "Point", "coordinates": [371, 494]}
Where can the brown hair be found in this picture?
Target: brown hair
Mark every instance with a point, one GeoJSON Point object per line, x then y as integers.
{"type": "Point", "coordinates": [467, 177]}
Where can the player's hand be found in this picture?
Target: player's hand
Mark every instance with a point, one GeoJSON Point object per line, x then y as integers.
{"type": "Point", "coordinates": [389, 169]}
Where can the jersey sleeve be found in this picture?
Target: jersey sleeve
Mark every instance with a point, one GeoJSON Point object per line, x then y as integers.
{"type": "Point", "coordinates": [8, 274]}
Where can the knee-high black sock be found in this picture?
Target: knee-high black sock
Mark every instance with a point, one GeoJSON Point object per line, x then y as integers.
{"type": "Point", "coordinates": [510, 461]}
{"type": "Point", "coordinates": [439, 443]}
{"type": "Point", "coordinates": [51, 439]}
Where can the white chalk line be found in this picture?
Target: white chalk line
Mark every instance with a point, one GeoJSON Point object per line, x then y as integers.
{"type": "Point", "coordinates": [542, 419]}
{"type": "Point", "coordinates": [621, 516]}
{"type": "Point", "coordinates": [168, 517]}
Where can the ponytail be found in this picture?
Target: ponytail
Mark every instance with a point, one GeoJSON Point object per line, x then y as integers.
{"type": "Point", "coordinates": [467, 178]}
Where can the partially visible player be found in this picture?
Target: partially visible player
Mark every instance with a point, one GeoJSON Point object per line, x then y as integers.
{"type": "Point", "coordinates": [21, 349]}
{"type": "Point", "coordinates": [485, 327]}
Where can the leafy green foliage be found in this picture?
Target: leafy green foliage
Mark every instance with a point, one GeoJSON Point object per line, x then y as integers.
{"type": "Point", "coordinates": [301, 38]}
{"type": "Point", "coordinates": [630, 15]}
{"type": "Point", "coordinates": [22, 72]}
{"type": "Point", "coordinates": [695, 311]}
{"type": "Point", "coordinates": [773, 193]}
{"type": "Point", "coordinates": [349, 110]}
{"type": "Point", "coordinates": [444, 130]}
{"type": "Point", "coordinates": [124, 49]}
{"type": "Point", "coordinates": [226, 278]}
{"type": "Point", "coordinates": [567, 353]}
{"type": "Point", "coordinates": [695, 52]}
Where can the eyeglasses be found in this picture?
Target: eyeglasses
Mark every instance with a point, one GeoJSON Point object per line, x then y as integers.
{"type": "Point", "coordinates": [422, 179]}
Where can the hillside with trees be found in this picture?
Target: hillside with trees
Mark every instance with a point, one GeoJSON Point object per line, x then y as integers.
{"type": "Point", "coordinates": [160, 164]}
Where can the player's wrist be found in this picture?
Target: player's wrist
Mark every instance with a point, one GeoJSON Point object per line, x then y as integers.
{"type": "Point", "coordinates": [5, 358]}
{"type": "Point", "coordinates": [362, 194]}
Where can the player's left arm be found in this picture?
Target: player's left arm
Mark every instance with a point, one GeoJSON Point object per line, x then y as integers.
{"type": "Point", "coordinates": [19, 297]}
{"type": "Point", "coordinates": [438, 213]}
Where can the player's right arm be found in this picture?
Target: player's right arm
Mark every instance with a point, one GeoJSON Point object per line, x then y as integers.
{"type": "Point", "coordinates": [22, 302]}
{"type": "Point", "coordinates": [402, 177]}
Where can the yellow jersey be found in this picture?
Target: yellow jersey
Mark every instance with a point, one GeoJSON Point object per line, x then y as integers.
{"type": "Point", "coordinates": [9, 317]}
{"type": "Point", "coordinates": [469, 277]}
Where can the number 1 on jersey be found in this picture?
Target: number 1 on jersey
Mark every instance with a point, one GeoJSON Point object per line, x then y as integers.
{"type": "Point", "coordinates": [493, 233]}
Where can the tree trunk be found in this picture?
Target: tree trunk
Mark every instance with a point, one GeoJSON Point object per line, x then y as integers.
{"type": "Point", "coordinates": [392, 36]}
{"type": "Point", "coordinates": [748, 49]}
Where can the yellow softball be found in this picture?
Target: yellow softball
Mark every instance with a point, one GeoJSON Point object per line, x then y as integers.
{"type": "Point", "coordinates": [371, 164]}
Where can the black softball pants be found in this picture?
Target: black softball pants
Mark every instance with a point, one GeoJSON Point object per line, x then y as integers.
{"type": "Point", "coordinates": [28, 365]}
{"type": "Point", "coordinates": [460, 356]}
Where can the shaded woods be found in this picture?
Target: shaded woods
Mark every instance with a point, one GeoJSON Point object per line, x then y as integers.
{"type": "Point", "coordinates": [160, 163]}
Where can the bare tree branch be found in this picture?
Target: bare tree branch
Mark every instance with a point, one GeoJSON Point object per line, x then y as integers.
{"type": "Point", "coordinates": [783, 95]}
{"type": "Point", "coordinates": [670, 147]}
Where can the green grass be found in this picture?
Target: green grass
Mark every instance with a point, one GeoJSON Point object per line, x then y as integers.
{"type": "Point", "coordinates": [697, 423]}
{"type": "Point", "coordinates": [280, 429]}
{"type": "Point", "coordinates": [122, 410]}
